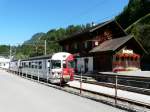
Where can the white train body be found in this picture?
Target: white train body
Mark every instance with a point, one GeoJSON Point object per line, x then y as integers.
{"type": "Point", "coordinates": [56, 68]}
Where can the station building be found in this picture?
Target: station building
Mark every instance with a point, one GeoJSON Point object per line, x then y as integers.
{"type": "Point", "coordinates": [4, 62]}
{"type": "Point", "coordinates": [95, 49]}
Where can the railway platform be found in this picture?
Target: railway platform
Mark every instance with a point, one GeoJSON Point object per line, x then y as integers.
{"type": "Point", "coordinates": [121, 94]}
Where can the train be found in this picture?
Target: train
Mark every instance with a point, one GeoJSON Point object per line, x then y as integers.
{"type": "Point", "coordinates": [56, 68]}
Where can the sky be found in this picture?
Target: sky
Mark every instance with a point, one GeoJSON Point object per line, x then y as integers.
{"type": "Point", "coordinates": [20, 19]}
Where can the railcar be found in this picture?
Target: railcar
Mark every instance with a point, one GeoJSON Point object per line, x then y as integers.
{"type": "Point", "coordinates": [56, 68]}
{"type": "Point", "coordinates": [13, 66]}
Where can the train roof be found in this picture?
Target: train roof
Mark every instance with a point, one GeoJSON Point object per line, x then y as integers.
{"type": "Point", "coordinates": [61, 55]}
{"type": "Point", "coordinates": [39, 57]}
{"type": "Point", "coordinates": [55, 56]}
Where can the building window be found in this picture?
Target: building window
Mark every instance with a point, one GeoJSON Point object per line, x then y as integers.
{"type": "Point", "coordinates": [96, 43]}
{"type": "Point", "coordinates": [67, 47]}
{"type": "Point", "coordinates": [108, 34]}
{"type": "Point", "coordinates": [71, 47]}
{"type": "Point", "coordinates": [86, 44]}
{"type": "Point", "coordinates": [63, 48]}
{"type": "Point", "coordinates": [75, 46]}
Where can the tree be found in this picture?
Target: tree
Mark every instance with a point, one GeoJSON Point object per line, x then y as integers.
{"type": "Point", "coordinates": [133, 11]}
{"type": "Point", "coordinates": [142, 33]}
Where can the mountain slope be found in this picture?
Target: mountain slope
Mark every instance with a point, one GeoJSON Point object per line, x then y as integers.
{"type": "Point", "coordinates": [34, 38]}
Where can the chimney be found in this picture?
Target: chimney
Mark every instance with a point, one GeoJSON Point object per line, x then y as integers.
{"type": "Point", "coordinates": [93, 24]}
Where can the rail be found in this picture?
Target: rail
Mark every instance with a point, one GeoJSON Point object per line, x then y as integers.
{"type": "Point", "coordinates": [137, 103]}
{"type": "Point", "coordinates": [91, 80]}
{"type": "Point", "coordinates": [122, 87]}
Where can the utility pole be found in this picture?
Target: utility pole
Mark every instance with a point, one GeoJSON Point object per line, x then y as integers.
{"type": "Point", "coordinates": [10, 51]}
{"type": "Point", "coordinates": [45, 47]}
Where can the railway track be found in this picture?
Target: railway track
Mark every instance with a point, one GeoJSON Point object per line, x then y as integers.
{"type": "Point", "coordinates": [122, 87]}
{"type": "Point", "coordinates": [122, 103]}
{"type": "Point", "coordinates": [90, 80]}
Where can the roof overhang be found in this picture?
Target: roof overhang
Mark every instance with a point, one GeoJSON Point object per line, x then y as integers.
{"type": "Point", "coordinates": [112, 44]}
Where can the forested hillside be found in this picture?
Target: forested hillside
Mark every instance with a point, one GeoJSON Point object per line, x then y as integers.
{"type": "Point", "coordinates": [135, 19]}
{"type": "Point", "coordinates": [141, 31]}
{"type": "Point", "coordinates": [133, 11]}
{"type": "Point", "coordinates": [4, 50]}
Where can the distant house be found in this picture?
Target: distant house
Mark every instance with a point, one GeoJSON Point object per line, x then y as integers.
{"type": "Point", "coordinates": [95, 47]}
{"type": "Point", "coordinates": [4, 62]}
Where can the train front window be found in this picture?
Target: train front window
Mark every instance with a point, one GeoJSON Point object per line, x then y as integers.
{"type": "Point", "coordinates": [56, 64]}
{"type": "Point", "coordinates": [64, 65]}
{"type": "Point", "coordinates": [71, 64]}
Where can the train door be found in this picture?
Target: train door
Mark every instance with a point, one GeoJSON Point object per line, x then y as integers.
{"type": "Point", "coordinates": [76, 65]}
{"type": "Point", "coordinates": [48, 69]}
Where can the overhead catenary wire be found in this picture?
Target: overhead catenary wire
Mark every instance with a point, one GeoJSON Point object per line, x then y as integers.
{"type": "Point", "coordinates": [91, 9]}
{"type": "Point", "coordinates": [88, 10]}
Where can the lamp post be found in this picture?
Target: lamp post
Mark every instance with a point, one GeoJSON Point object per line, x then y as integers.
{"type": "Point", "coordinates": [81, 70]}
{"type": "Point", "coordinates": [116, 82]}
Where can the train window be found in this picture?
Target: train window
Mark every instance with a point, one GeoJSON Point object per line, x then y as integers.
{"type": "Point", "coordinates": [40, 65]}
{"type": "Point", "coordinates": [24, 64]}
{"type": "Point", "coordinates": [64, 65]}
{"type": "Point", "coordinates": [71, 64]}
{"type": "Point", "coordinates": [29, 64]}
{"type": "Point", "coordinates": [32, 66]}
{"type": "Point", "coordinates": [56, 64]}
{"type": "Point", "coordinates": [35, 65]}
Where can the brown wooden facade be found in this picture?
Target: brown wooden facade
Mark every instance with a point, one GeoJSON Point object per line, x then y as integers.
{"type": "Point", "coordinates": [100, 42]}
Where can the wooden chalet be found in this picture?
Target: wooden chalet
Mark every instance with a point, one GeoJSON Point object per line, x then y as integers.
{"type": "Point", "coordinates": [95, 47]}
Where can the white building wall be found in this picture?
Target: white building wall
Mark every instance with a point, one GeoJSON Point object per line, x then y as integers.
{"type": "Point", "coordinates": [81, 64]}
{"type": "Point", "coordinates": [4, 62]}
